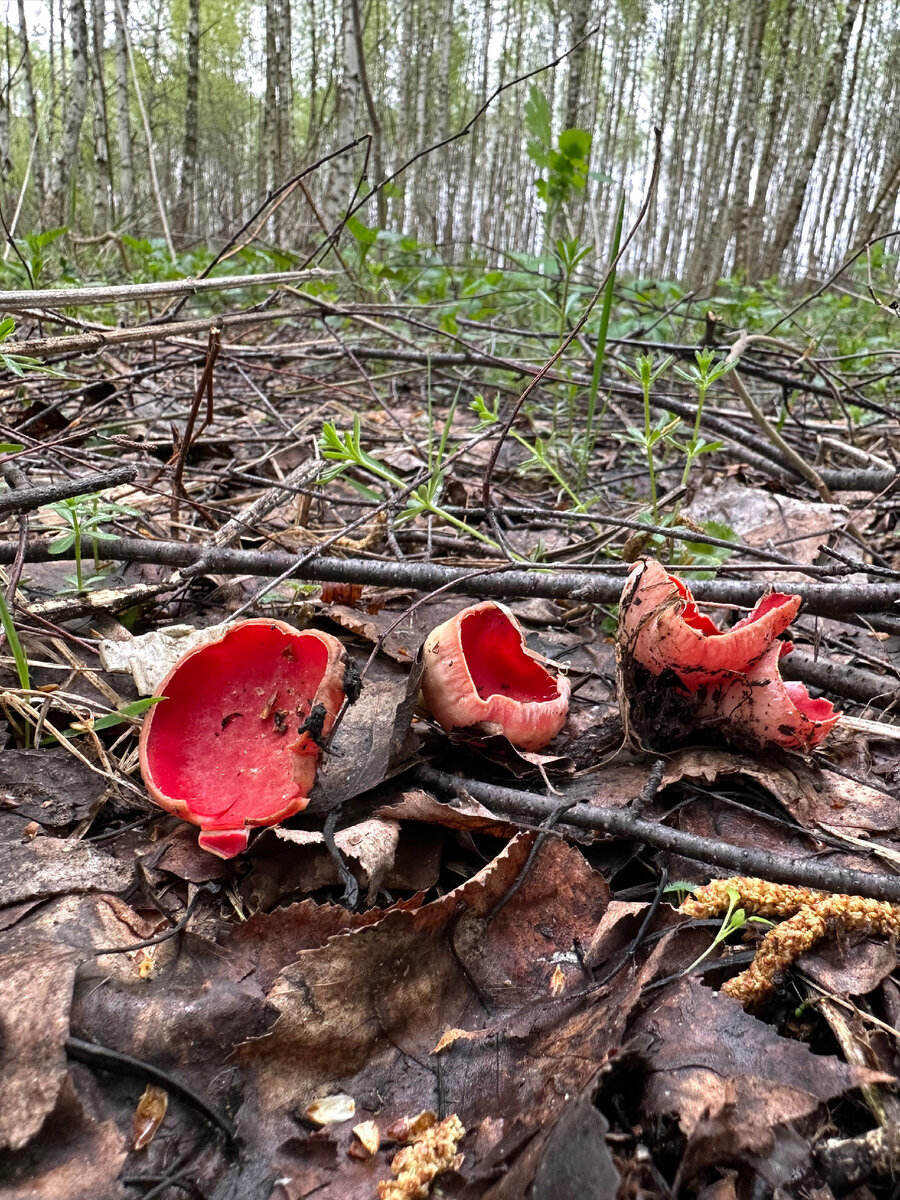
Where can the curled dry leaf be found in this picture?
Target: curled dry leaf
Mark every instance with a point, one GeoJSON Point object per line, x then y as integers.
{"type": "Point", "coordinates": [407, 1129]}
{"type": "Point", "coordinates": [479, 669]}
{"type": "Point", "coordinates": [369, 1137]}
{"type": "Point", "coordinates": [149, 1114]}
{"type": "Point", "coordinates": [330, 1110]}
{"type": "Point", "coordinates": [678, 671]}
{"type": "Point", "coordinates": [236, 741]}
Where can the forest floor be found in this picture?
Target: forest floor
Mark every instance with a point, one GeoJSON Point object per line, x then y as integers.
{"type": "Point", "coordinates": [306, 1008]}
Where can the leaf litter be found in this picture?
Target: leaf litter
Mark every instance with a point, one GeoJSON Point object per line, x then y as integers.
{"type": "Point", "coordinates": [505, 1013]}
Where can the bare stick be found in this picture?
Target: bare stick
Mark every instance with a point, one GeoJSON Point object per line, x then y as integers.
{"type": "Point", "coordinates": [69, 297]}
{"type": "Point", "coordinates": [26, 499]}
{"type": "Point", "coordinates": [820, 599]}
{"type": "Point", "coordinates": [621, 822]}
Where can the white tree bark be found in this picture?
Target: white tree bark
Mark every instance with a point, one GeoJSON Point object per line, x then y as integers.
{"type": "Point", "coordinates": [123, 116]}
{"type": "Point", "coordinates": [62, 166]}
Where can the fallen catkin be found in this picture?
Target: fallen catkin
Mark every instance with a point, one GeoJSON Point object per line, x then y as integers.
{"type": "Point", "coordinates": [805, 914]}
{"type": "Point", "coordinates": [417, 1165]}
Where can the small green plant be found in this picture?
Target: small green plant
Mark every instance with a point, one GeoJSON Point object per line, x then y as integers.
{"type": "Point", "coordinates": [20, 364]}
{"type": "Point", "coordinates": [19, 658]}
{"type": "Point", "coordinates": [15, 645]}
{"type": "Point", "coordinates": [703, 375]}
{"type": "Point", "coordinates": [540, 451]}
{"type": "Point", "coordinates": [83, 516]}
{"type": "Point", "coordinates": [127, 712]}
{"type": "Point", "coordinates": [346, 449]}
{"type": "Point", "coordinates": [682, 889]}
{"type": "Point", "coordinates": [732, 922]}
{"type": "Point", "coordinates": [565, 167]}
{"type": "Point", "coordinates": [28, 266]}
{"type": "Point", "coordinates": [646, 375]}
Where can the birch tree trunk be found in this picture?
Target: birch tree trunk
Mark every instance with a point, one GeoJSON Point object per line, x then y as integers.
{"type": "Point", "coordinates": [340, 178]}
{"type": "Point", "coordinates": [183, 216]}
{"type": "Point", "coordinates": [790, 217]}
{"type": "Point", "coordinates": [102, 177]}
{"type": "Point", "coordinates": [748, 115]}
{"type": "Point", "coordinates": [31, 114]}
{"type": "Point", "coordinates": [580, 13]}
{"type": "Point", "coordinates": [374, 120]}
{"type": "Point", "coordinates": [123, 115]}
{"type": "Point", "coordinates": [62, 185]}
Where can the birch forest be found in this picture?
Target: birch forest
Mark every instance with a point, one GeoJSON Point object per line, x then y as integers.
{"type": "Point", "coordinates": [780, 123]}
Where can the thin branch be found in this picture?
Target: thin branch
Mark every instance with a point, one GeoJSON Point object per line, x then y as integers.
{"type": "Point", "coordinates": [621, 822]}
{"type": "Point", "coordinates": [819, 599]}
{"type": "Point", "coordinates": [26, 499]}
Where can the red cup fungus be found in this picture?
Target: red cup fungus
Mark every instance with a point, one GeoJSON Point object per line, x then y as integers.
{"type": "Point", "coordinates": [679, 671]}
{"type": "Point", "coordinates": [478, 668]}
{"type": "Point", "coordinates": [235, 742]}
{"type": "Point", "coordinates": [663, 628]}
{"type": "Point", "coordinates": [768, 710]}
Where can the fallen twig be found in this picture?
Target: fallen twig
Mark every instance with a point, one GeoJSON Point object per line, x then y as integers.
{"type": "Point", "coordinates": [126, 1064]}
{"type": "Point", "coordinates": [26, 499]}
{"type": "Point", "coordinates": [621, 822]}
{"type": "Point", "coordinates": [819, 599]}
{"type": "Point", "coordinates": [120, 293]}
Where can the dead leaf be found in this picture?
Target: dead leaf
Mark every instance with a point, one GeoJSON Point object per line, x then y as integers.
{"type": "Point", "coordinates": [75, 1157]}
{"type": "Point", "coordinates": [49, 786]}
{"type": "Point", "coordinates": [369, 744]}
{"type": "Point", "coordinates": [36, 985]}
{"type": "Point", "coordinates": [728, 1077]}
{"type": "Point", "coordinates": [50, 866]}
{"type": "Point", "coordinates": [372, 844]}
{"type": "Point", "coordinates": [576, 1160]}
{"type": "Point", "coordinates": [293, 862]}
{"type": "Point", "coordinates": [851, 965]}
{"type": "Point", "coordinates": [149, 1115]}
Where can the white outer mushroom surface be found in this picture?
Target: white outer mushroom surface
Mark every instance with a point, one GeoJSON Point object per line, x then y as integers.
{"type": "Point", "coordinates": [478, 668]}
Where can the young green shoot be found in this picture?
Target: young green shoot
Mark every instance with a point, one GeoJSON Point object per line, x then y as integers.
{"type": "Point", "coordinates": [646, 375]}
{"type": "Point", "coordinates": [702, 375]}
{"type": "Point", "coordinates": [734, 920]}
{"type": "Point", "coordinates": [347, 450]}
{"type": "Point", "coordinates": [82, 516]}
{"type": "Point", "coordinates": [537, 449]}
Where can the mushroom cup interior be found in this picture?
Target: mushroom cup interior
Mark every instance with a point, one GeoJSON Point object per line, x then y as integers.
{"type": "Point", "coordinates": [497, 663]}
{"type": "Point", "coordinates": [220, 738]}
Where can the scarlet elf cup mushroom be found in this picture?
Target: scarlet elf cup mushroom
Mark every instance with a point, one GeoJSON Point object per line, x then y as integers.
{"type": "Point", "coordinates": [678, 671]}
{"type": "Point", "coordinates": [477, 668]}
{"type": "Point", "coordinates": [235, 742]}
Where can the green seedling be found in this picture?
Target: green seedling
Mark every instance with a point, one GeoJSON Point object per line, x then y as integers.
{"type": "Point", "coordinates": [703, 375]}
{"type": "Point", "coordinates": [15, 645]}
{"type": "Point", "coordinates": [83, 516]}
{"type": "Point", "coordinates": [734, 920]}
{"type": "Point", "coordinates": [646, 375]}
{"type": "Point", "coordinates": [538, 449]}
{"type": "Point", "coordinates": [346, 450]}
